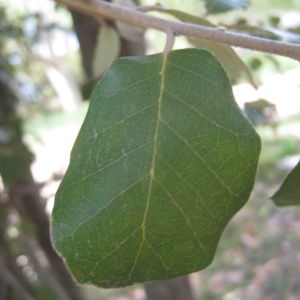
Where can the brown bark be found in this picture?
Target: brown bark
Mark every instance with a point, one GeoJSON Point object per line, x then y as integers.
{"type": "Point", "coordinates": [23, 193]}
{"type": "Point", "coordinates": [27, 200]}
{"type": "Point", "coordinates": [174, 289]}
{"type": "Point", "coordinates": [11, 277]}
{"type": "Point", "coordinates": [86, 29]}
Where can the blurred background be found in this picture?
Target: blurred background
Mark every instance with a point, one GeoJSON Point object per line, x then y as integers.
{"type": "Point", "coordinates": [50, 60]}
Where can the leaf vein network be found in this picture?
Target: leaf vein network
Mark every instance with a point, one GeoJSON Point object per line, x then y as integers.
{"type": "Point", "coordinates": [186, 219]}
{"type": "Point", "coordinates": [103, 168]}
{"type": "Point", "coordinates": [201, 77]}
{"type": "Point", "coordinates": [193, 108]}
{"type": "Point", "coordinates": [191, 188]}
{"type": "Point", "coordinates": [115, 124]}
{"type": "Point", "coordinates": [209, 168]}
{"type": "Point", "coordinates": [132, 85]}
{"type": "Point", "coordinates": [101, 208]}
{"type": "Point", "coordinates": [113, 251]}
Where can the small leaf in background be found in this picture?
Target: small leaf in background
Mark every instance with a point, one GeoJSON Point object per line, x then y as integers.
{"type": "Point", "coordinates": [221, 6]}
{"type": "Point", "coordinates": [261, 112]}
{"type": "Point", "coordinates": [163, 161]}
{"type": "Point", "coordinates": [106, 50]}
{"type": "Point", "coordinates": [285, 36]}
{"type": "Point", "coordinates": [267, 32]}
{"type": "Point", "coordinates": [289, 192]}
{"type": "Point", "coordinates": [231, 62]}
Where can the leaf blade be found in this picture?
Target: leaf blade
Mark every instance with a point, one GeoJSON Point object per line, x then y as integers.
{"type": "Point", "coordinates": [148, 192]}
{"type": "Point", "coordinates": [107, 49]}
{"type": "Point", "coordinates": [289, 191]}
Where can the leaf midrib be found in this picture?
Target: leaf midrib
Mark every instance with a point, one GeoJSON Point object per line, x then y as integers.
{"type": "Point", "coordinates": [153, 161]}
{"type": "Point", "coordinates": [155, 141]}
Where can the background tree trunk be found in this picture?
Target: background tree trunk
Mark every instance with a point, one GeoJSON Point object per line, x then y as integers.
{"type": "Point", "coordinates": [22, 197]}
{"type": "Point", "coordinates": [174, 289]}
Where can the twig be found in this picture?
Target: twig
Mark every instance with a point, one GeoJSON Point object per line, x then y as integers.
{"type": "Point", "coordinates": [137, 18]}
{"type": "Point", "coordinates": [170, 41]}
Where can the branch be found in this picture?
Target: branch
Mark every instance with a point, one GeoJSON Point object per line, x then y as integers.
{"type": "Point", "coordinates": [219, 35]}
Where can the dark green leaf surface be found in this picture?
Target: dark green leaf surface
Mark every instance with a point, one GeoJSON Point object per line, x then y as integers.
{"type": "Point", "coordinates": [163, 161]}
{"type": "Point", "coordinates": [289, 192]}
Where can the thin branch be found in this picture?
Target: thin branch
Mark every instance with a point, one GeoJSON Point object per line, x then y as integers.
{"type": "Point", "coordinates": [170, 39]}
{"type": "Point", "coordinates": [219, 35]}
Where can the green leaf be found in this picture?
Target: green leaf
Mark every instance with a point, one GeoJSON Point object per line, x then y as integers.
{"type": "Point", "coordinates": [231, 62]}
{"type": "Point", "coordinates": [221, 6]}
{"type": "Point", "coordinates": [163, 161]}
{"type": "Point", "coordinates": [267, 33]}
{"type": "Point", "coordinates": [289, 192]}
{"type": "Point", "coordinates": [107, 49]}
